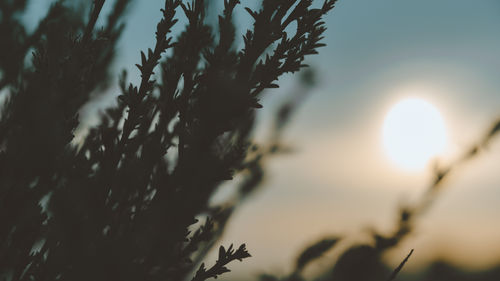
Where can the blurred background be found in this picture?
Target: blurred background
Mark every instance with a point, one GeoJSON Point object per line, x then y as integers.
{"type": "Point", "coordinates": [340, 178]}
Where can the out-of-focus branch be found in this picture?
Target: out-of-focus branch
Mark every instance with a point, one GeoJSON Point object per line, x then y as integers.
{"type": "Point", "coordinates": [94, 14]}
{"type": "Point", "coordinates": [406, 221]}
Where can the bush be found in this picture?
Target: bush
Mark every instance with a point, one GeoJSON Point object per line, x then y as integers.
{"type": "Point", "coordinates": [123, 204]}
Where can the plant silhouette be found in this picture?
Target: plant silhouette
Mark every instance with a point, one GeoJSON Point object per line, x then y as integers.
{"type": "Point", "coordinates": [364, 261]}
{"type": "Point", "coordinates": [131, 200]}
{"type": "Point", "coordinates": [125, 203]}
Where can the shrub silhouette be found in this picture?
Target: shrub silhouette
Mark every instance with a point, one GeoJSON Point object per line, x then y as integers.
{"type": "Point", "coordinates": [124, 203]}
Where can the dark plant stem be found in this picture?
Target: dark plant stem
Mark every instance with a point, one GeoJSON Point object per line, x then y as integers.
{"type": "Point", "coordinates": [400, 266]}
{"type": "Point", "coordinates": [96, 10]}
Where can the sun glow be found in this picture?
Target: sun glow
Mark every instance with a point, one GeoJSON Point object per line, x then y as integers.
{"type": "Point", "coordinates": [413, 133]}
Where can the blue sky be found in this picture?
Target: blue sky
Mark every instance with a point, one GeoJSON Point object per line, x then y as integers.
{"type": "Point", "coordinates": [378, 52]}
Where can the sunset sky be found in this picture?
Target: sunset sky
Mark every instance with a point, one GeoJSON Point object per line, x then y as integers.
{"type": "Point", "coordinates": [340, 180]}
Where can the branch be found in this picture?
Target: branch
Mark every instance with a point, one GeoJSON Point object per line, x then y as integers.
{"type": "Point", "coordinates": [219, 268]}
{"type": "Point", "coordinates": [96, 10]}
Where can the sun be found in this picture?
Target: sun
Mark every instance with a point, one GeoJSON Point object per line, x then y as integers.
{"type": "Point", "coordinates": [413, 133]}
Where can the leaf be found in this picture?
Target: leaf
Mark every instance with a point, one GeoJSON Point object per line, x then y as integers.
{"type": "Point", "coordinates": [252, 13]}
{"type": "Point", "coordinates": [143, 58]}
{"type": "Point", "coordinates": [222, 252]}
{"type": "Point", "coordinates": [315, 251]}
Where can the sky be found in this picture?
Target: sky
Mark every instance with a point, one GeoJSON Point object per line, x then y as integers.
{"type": "Point", "coordinates": [339, 180]}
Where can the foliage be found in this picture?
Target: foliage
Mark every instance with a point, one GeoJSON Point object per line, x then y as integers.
{"type": "Point", "coordinates": [125, 203]}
